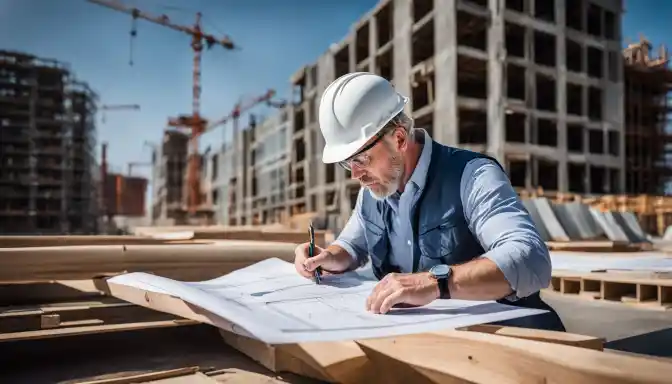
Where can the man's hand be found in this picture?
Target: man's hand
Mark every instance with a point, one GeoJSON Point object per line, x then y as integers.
{"type": "Point", "coordinates": [330, 263]}
{"type": "Point", "coordinates": [415, 289]}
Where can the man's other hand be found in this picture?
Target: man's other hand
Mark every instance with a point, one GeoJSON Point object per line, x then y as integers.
{"type": "Point", "coordinates": [323, 258]}
{"type": "Point", "coordinates": [411, 289]}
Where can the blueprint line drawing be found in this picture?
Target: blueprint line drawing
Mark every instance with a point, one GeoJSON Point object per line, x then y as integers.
{"type": "Point", "coordinates": [273, 303]}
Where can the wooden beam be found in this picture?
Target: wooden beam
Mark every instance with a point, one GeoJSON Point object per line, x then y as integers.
{"type": "Point", "coordinates": [187, 262]}
{"type": "Point", "coordinates": [565, 338]}
{"type": "Point", "coordinates": [189, 372]}
{"type": "Point", "coordinates": [86, 330]}
{"type": "Point", "coordinates": [475, 357]}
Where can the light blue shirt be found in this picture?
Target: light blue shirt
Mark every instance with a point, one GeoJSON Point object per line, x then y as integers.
{"type": "Point", "coordinates": [493, 211]}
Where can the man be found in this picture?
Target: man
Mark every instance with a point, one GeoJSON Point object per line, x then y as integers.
{"type": "Point", "coordinates": [436, 221]}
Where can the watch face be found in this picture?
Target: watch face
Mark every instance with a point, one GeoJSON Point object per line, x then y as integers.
{"type": "Point", "coordinates": [440, 270]}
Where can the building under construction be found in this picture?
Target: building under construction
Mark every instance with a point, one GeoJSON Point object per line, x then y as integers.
{"type": "Point", "coordinates": [540, 85]}
{"type": "Point", "coordinates": [48, 172]}
{"type": "Point", "coordinates": [168, 178]}
{"type": "Point", "coordinates": [536, 84]}
{"type": "Point", "coordinates": [648, 88]}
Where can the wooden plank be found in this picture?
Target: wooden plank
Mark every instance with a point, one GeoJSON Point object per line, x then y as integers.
{"type": "Point", "coordinates": [593, 246]}
{"type": "Point", "coordinates": [146, 377]}
{"type": "Point", "coordinates": [62, 332]}
{"type": "Point", "coordinates": [159, 236]}
{"type": "Point", "coordinates": [341, 362]}
{"type": "Point", "coordinates": [565, 338]}
{"type": "Point", "coordinates": [32, 292]}
{"type": "Point", "coordinates": [475, 357]}
{"type": "Point", "coordinates": [194, 378]}
{"type": "Point", "coordinates": [239, 376]}
{"type": "Point", "coordinates": [55, 315]}
{"type": "Point", "coordinates": [192, 262]}
{"type": "Point", "coordinates": [284, 235]}
{"type": "Point", "coordinates": [60, 241]}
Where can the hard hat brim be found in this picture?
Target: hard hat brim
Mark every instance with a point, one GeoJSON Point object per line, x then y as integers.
{"type": "Point", "coordinates": [336, 153]}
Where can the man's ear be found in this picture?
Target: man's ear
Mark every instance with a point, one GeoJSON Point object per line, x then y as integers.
{"type": "Point", "coordinates": [401, 139]}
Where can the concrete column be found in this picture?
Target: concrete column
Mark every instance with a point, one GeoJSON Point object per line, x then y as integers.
{"type": "Point", "coordinates": [496, 98]}
{"type": "Point", "coordinates": [445, 75]}
{"type": "Point", "coordinates": [403, 23]}
{"type": "Point", "coordinates": [373, 43]}
{"type": "Point", "coordinates": [561, 97]}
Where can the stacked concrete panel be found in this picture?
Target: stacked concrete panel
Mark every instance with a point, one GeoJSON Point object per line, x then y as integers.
{"type": "Point", "coordinates": [578, 222]}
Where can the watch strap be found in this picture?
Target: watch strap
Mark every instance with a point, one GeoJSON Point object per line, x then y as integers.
{"type": "Point", "coordinates": [444, 292]}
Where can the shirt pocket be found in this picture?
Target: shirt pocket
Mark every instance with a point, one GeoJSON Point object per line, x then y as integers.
{"type": "Point", "coordinates": [438, 241]}
{"type": "Point", "coordinates": [376, 239]}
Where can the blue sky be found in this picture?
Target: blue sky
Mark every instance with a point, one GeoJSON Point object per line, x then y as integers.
{"type": "Point", "coordinates": [277, 37]}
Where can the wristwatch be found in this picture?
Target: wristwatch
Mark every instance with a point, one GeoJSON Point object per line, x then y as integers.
{"type": "Point", "coordinates": [441, 273]}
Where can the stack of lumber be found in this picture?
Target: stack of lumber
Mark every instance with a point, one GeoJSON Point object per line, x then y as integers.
{"type": "Point", "coordinates": [58, 323]}
{"type": "Point", "coordinates": [187, 262]}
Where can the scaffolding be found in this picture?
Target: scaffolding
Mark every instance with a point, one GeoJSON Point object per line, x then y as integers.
{"type": "Point", "coordinates": [48, 135]}
{"type": "Point", "coordinates": [648, 144]}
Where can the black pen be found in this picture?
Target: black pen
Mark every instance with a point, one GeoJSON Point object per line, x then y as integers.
{"type": "Point", "coordinates": [311, 252]}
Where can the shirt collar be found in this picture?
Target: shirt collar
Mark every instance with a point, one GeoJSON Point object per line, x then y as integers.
{"type": "Point", "coordinates": [419, 175]}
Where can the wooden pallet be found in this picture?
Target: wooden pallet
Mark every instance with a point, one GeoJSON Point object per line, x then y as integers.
{"type": "Point", "coordinates": [652, 290]}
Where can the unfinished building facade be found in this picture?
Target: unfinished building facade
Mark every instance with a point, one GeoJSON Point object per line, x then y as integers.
{"type": "Point", "coordinates": [648, 89]}
{"type": "Point", "coordinates": [48, 170]}
{"type": "Point", "coordinates": [535, 83]}
{"type": "Point", "coordinates": [168, 175]}
{"type": "Point", "coordinates": [246, 180]}
{"type": "Point", "coordinates": [268, 170]}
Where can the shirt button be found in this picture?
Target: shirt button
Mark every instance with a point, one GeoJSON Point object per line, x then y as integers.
{"type": "Point", "coordinates": [408, 242]}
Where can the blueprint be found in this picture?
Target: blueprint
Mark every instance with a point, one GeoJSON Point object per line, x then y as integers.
{"type": "Point", "coordinates": [271, 302]}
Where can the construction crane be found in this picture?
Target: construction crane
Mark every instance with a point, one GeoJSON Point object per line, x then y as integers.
{"type": "Point", "coordinates": [194, 121]}
{"type": "Point", "coordinates": [242, 107]}
{"type": "Point", "coordinates": [118, 107]}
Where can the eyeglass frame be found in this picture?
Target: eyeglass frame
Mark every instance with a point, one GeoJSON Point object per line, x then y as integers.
{"type": "Point", "coordinates": [364, 163]}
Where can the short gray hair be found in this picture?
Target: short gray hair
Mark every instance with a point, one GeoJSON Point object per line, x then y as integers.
{"type": "Point", "coordinates": [401, 119]}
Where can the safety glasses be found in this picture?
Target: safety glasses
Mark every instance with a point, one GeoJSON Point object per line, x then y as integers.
{"type": "Point", "coordinates": [361, 159]}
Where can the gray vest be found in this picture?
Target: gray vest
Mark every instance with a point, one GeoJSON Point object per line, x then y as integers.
{"type": "Point", "coordinates": [440, 231]}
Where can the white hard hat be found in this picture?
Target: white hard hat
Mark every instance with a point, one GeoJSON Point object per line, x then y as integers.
{"type": "Point", "coordinates": [353, 109]}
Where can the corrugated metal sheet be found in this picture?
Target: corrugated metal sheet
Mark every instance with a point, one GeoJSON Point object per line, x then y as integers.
{"type": "Point", "coordinates": [125, 195]}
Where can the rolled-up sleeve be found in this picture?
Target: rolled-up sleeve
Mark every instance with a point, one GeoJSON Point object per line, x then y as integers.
{"type": "Point", "coordinates": [498, 219]}
{"type": "Point", "coordinates": [352, 237]}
